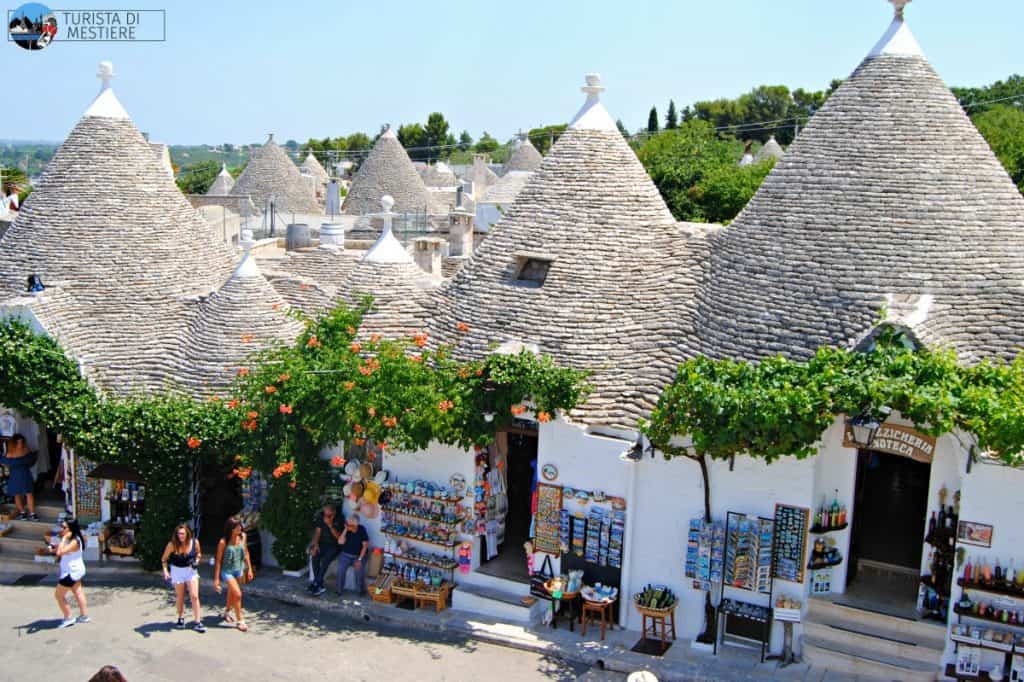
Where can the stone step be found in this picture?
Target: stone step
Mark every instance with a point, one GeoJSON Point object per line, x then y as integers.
{"type": "Point", "coordinates": [884, 640]}
{"type": "Point", "coordinates": [928, 633]}
{"type": "Point", "coordinates": [866, 661]}
{"type": "Point", "coordinates": [498, 604]}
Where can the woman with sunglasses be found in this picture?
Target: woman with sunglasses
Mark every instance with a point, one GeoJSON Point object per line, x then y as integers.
{"type": "Point", "coordinates": [184, 554]}
{"type": "Point", "coordinates": [72, 569]}
{"type": "Point", "coordinates": [231, 564]}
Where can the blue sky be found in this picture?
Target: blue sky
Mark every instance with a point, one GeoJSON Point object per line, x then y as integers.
{"type": "Point", "coordinates": [232, 71]}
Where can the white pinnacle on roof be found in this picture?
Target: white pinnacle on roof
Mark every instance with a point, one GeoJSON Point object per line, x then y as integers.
{"type": "Point", "coordinates": [387, 248]}
{"type": "Point", "coordinates": [106, 104]}
{"type": "Point", "coordinates": [223, 183]}
{"type": "Point", "coordinates": [593, 115]}
{"type": "Point", "coordinates": [898, 39]}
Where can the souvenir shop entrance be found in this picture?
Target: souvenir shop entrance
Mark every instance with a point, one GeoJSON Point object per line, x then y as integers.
{"type": "Point", "coordinates": [509, 514]}
{"type": "Point", "coordinates": [890, 510]}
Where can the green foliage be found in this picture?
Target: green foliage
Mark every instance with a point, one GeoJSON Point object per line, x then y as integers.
{"type": "Point", "coordinates": [978, 100]}
{"type": "Point", "coordinates": [679, 160]}
{"type": "Point", "coordinates": [197, 177]}
{"type": "Point", "coordinates": [465, 141]}
{"type": "Point", "coordinates": [544, 137]}
{"type": "Point", "coordinates": [671, 118]}
{"type": "Point", "coordinates": [780, 407]}
{"type": "Point", "coordinates": [1003, 128]}
{"type": "Point", "coordinates": [652, 121]}
{"type": "Point", "coordinates": [724, 190]}
{"type": "Point", "coordinates": [486, 144]}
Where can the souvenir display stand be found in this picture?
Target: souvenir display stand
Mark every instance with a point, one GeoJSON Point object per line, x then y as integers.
{"type": "Point", "coordinates": [748, 567]}
{"type": "Point", "coordinates": [990, 618]}
{"type": "Point", "coordinates": [122, 501]}
{"type": "Point", "coordinates": [5, 473]}
{"type": "Point", "coordinates": [789, 544]}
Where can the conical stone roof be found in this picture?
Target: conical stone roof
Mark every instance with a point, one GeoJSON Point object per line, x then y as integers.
{"type": "Point", "coordinates": [313, 167]}
{"type": "Point", "coordinates": [889, 193]}
{"type": "Point", "coordinates": [439, 175]}
{"type": "Point", "coordinates": [525, 158]}
{"type": "Point", "coordinates": [127, 252]}
{"type": "Point", "coordinates": [387, 170]}
{"type": "Point", "coordinates": [244, 316]}
{"type": "Point", "coordinates": [771, 149]}
{"type": "Point", "coordinates": [271, 172]}
{"type": "Point", "coordinates": [222, 184]}
{"type": "Point", "coordinates": [619, 272]}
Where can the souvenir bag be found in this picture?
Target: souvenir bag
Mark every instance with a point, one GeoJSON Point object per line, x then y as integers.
{"type": "Point", "coordinates": [538, 579]}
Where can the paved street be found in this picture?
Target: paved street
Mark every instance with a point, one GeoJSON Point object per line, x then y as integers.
{"type": "Point", "coordinates": [132, 629]}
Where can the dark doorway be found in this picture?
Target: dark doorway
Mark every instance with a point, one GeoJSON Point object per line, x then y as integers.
{"type": "Point", "coordinates": [221, 497]}
{"type": "Point", "coordinates": [521, 468]}
{"type": "Point", "coordinates": [890, 507]}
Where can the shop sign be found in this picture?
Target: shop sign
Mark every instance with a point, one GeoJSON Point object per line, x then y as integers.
{"type": "Point", "coordinates": [899, 440]}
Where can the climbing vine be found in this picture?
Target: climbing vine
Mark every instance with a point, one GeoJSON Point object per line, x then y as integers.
{"type": "Point", "coordinates": [333, 386]}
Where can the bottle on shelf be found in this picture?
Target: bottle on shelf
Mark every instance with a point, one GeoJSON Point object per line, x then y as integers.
{"type": "Point", "coordinates": [931, 528]}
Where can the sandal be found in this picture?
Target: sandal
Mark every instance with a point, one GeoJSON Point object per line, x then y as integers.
{"type": "Point", "coordinates": [228, 618]}
{"type": "Point", "coordinates": [242, 627]}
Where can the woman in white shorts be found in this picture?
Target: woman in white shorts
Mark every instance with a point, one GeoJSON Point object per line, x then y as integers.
{"type": "Point", "coordinates": [183, 554]}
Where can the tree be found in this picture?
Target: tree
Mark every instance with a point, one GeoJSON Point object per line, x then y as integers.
{"type": "Point", "coordinates": [1002, 127]}
{"type": "Point", "coordinates": [622, 128]}
{"type": "Point", "coordinates": [358, 142]}
{"type": "Point", "coordinates": [671, 118]}
{"type": "Point", "coordinates": [677, 160]}
{"type": "Point", "coordinates": [436, 135]}
{"type": "Point", "coordinates": [544, 137]}
{"type": "Point", "coordinates": [413, 137]}
{"type": "Point", "coordinates": [724, 190]}
{"type": "Point", "coordinates": [652, 121]}
{"type": "Point", "coordinates": [486, 144]}
{"type": "Point", "coordinates": [291, 145]}
{"type": "Point", "coordinates": [465, 141]}
{"type": "Point", "coordinates": [769, 106]}
{"type": "Point", "coordinates": [980, 99]}
{"type": "Point", "coordinates": [196, 178]}
{"type": "Point", "coordinates": [228, 147]}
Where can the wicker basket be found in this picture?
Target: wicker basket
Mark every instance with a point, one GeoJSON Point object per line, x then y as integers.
{"type": "Point", "coordinates": [121, 551]}
{"type": "Point", "coordinates": [656, 613]}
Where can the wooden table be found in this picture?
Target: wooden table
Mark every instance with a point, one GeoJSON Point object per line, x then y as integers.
{"type": "Point", "coordinates": [597, 611]}
{"type": "Point", "coordinates": [569, 599]}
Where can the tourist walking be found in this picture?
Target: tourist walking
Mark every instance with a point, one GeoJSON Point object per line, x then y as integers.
{"type": "Point", "coordinates": [354, 542]}
{"type": "Point", "coordinates": [72, 569]}
{"type": "Point", "coordinates": [181, 560]}
{"type": "Point", "coordinates": [324, 547]}
{"type": "Point", "coordinates": [231, 566]}
{"type": "Point", "coordinates": [21, 482]}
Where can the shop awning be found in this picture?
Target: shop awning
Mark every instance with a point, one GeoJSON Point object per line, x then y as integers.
{"type": "Point", "coordinates": [115, 472]}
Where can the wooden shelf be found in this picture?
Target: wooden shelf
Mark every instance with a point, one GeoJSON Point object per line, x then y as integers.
{"type": "Point", "coordinates": [821, 530]}
{"type": "Point", "coordinates": [415, 539]}
{"type": "Point", "coordinates": [396, 512]}
{"type": "Point", "coordinates": [442, 500]}
{"type": "Point", "coordinates": [988, 619]}
{"type": "Point", "coordinates": [421, 562]}
{"type": "Point", "coordinates": [927, 582]}
{"type": "Point", "coordinates": [992, 589]}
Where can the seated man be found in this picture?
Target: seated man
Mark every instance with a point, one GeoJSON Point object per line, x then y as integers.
{"type": "Point", "coordinates": [324, 547]}
{"type": "Point", "coordinates": [354, 543]}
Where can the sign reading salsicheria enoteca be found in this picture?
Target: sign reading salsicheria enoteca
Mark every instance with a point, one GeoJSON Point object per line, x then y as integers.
{"type": "Point", "coordinates": [899, 440]}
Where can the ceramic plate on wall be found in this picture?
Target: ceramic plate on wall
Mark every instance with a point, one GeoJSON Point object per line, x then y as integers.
{"type": "Point", "coordinates": [549, 472]}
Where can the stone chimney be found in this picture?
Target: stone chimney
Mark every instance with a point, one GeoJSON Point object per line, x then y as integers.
{"type": "Point", "coordinates": [460, 233]}
{"type": "Point", "coordinates": [428, 255]}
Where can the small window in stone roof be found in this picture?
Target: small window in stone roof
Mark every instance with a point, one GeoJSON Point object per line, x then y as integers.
{"type": "Point", "coordinates": [532, 269]}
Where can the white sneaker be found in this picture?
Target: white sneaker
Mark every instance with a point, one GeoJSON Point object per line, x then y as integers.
{"type": "Point", "coordinates": [67, 622]}
{"type": "Point", "coordinates": [84, 619]}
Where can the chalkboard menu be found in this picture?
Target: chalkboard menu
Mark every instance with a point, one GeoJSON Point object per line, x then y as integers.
{"type": "Point", "coordinates": [547, 521]}
{"type": "Point", "coordinates": [790, 545]}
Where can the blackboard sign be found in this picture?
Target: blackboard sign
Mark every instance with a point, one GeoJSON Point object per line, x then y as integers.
{"type": "Point", "coordinates": [547, 520]}
{"type": "Point", "coordinates": [790, 545]}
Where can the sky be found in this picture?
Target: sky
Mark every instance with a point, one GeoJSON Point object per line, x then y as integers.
{"type": "Point", "coordinates": [234, 71]}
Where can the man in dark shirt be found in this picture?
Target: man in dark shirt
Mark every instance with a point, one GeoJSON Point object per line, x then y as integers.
{"type": "Point", "coordinates": [354, 543]}
{"type": "Point", "coordinates": [324, 547]}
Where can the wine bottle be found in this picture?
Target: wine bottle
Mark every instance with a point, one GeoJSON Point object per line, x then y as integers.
{"type": "Point", "coordinates": [931, 528]}
{"type": "Point", "coordinates": [997, 573]}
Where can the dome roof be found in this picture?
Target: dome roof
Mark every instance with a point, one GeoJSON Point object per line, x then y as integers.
{"type": "Point", "coordinates": [387, 170]}
{"type": "Point", "coordinates": [222, 184]}
{"type": "Point", "coordinates": [525, 157]}
{"type": "Point", "coordinates": [889, 193]}
{"type": "Point", "coordinates": [271, 173]}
